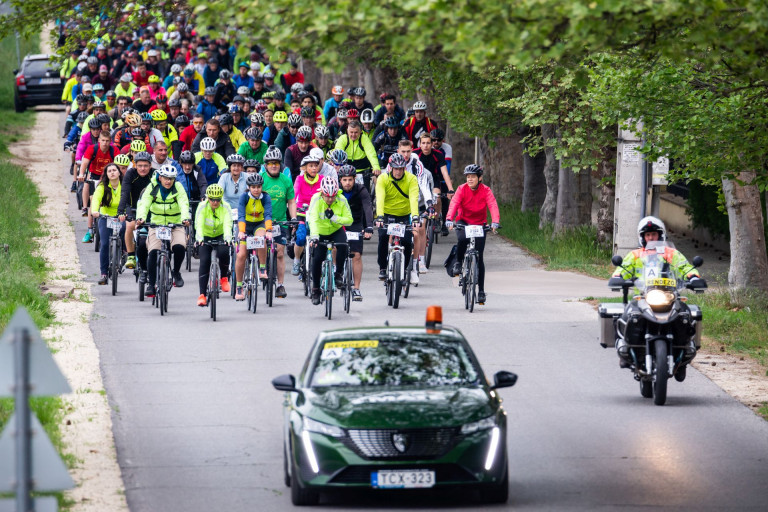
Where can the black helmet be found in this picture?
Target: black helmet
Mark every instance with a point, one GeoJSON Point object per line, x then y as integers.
{"type": "Point", "coordinates": [235, 159]}
{"type": "Point", "coordinates": [182, 121]}
{"type": "Point", "coordinates": [252, 133]}
{"type": "Point", "coordinates": [81, 117]}
{"type": "Point", "coordinates": [186, 157]}
{"type": "Point", "coordinates": [94, 123]}
{"type": "Point", "coordinates": [437, 134]}
{"type": "Point", "coordinates": [338, 157]}
{"type": "Point", "coordinates": [103, 118]}
{"type": "Point", "coordinates": [226, 119]}
{"type": "Point", "coordinates": [175, 102]}
{"type": "Point", "coordinates": [347, 170]}
{"type": "Point", "coordinates": [254, 180]}
{"type": "Point", "coordinates": [308, 112]}
{"type": "Point", "coordinates": [137, 132]}
{"type": "Point", "coordinates": [142, 156]}
{"type": "Point", "coordinates": [391, 122]}
{"type": "Point", "coordinates": [397, 161]}
{"type": "Point", "coordinates": [81, 98]}
{"type": "Point", "coordinates": [358, 91]}
{"type": "Point", "coordinates": [473, 169]}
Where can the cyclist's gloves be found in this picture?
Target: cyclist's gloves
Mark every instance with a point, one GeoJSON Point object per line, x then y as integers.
{"type": "Point", "coordinates": [328, 213]}
{"type": "Point", "coordinates": [449, 224]}
{"type": "Point", "coordinates": [369, 230]}
{"type": "Point", "coordinates": [494, 226]}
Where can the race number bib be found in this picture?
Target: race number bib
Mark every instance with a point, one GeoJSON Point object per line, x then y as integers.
{"type": "Point", "coordinates": [474, 231]}
{"type": "Point", "coordinates": [353, 235]}
{"type": "Point", "coordinates": [254, 242]}
{"type": "Point", "coordinates": [114, 224]}
{"type": "Point", "coordinates": [396, 230]}
{"type": "Point", "coordinates": [276, 231]}
{"type": "Point", "coordinates": [163, 233]}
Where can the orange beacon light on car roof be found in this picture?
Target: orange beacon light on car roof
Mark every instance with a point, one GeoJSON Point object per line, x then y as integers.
{"type": "Point", "coordinates": [434, 319]}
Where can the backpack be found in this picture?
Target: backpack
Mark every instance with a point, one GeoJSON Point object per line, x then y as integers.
{"type": "Point", "coordinates": [450, 260]}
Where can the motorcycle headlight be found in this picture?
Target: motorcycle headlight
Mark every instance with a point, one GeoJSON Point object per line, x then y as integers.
{"type": "Point", "coordinates": [659, 300]}
{"type": "Point", "coordinates": [318, 427]}
{"type": "Point", "coordinates": [476, 426]}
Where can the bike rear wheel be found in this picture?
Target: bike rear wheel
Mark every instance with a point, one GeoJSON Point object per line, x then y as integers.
{"type": "Point", "coordinates": [348, 284]}
{"type": "Point", "coordinates": [465, 289]}
{"type": "Point", "coordinates": [161, 279]}
{"type": "Point", "coordinates": [472, 291]}
{"type": "Point", "coordinates": [397, 279]}
{"type": "Point", "coordinates": [328, 285]}
{"type": "Point", "coordinates": [114, 263]}
{"type": "Point", "coordinates": [303, 272]}
{"type": "Point", "coordinates": [271, 275]}
{"type": "Point", "coordinates": [253, 282]}
{"type": "Point", "coordinates": [232, 274]}
{"type": "Point", "coordinates": [190, 247]}
{"type": "Point", "coordinates": [430, 240]}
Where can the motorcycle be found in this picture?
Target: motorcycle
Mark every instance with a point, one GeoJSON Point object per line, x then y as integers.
{"type": "Point", "coordinates": [657, 333]}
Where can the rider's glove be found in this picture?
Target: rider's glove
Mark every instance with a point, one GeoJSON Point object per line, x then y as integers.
{"type": "Point", "coordinates": [328, 213]}
{"type": "Point", "coordinates": [449, 224]}
{"type": "Point", "coordinates": [369, 230]}
{"type": "Point", "coordinates": [494, 226]}
{"type": "Point", "coordinates": [416, 220]}
{"type": "Point", "coordinates": [241, 236]}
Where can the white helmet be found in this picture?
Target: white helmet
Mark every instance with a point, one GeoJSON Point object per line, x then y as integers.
{"type": "Point", "coordinates": [167, 171]}
{"type": "Point", "coordinates": [176, 68]}
{"type": "Point", "coordinates": [366, 116]}
{"type": "Point", "coordinates": [243, 90]}
{"type": "Point", "coordinates": [329, 185]}
{"type": "Point", "coordinates": [419, 105]}
{"type": "Point", "coordinates": [317, 154]}
{"type": "Point", "coordinates": [310, 158]}
{"type": "Point", "coordinates": [648, 224]}
{"type": "Point", "coordinates": [207, 144]}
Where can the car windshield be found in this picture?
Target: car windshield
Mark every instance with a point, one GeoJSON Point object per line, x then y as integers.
{"type": "Point", "coordinates": [38, 67]}
{"type": "Point", "coordinates": [403, 360]}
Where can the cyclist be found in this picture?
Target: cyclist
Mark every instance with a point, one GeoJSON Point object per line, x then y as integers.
{"type": "Point", "coordinates": [332, 103]}
{"type": "Point", "coordinates": [135, 181]}
{"type": "Point", "coordinates": [360, 152]}
{"type": "Point", "coordinates": [366, 119]}
{"type": "Point", "coordinates": [168, 132]}
{"type": "Point", "coordinates": [426, 199]}
{"type": "Point", "coordinates": [254, 218]}
{"type": "Point", "coordinates": [233, 181]}
{"type": "Point", "coordinates": [95, 159]}
{"type": "Point", "coordinates": [327, 215]}
{"type": "Point", "coordinates": [152, 134]}
{"type": "Point", "coordinates": [213, 130]}
{"type": "Point", "coordinates": [253, 148]}
{"type": "Point", "coordinates": [224, 90]}
{"type": "Point", "coordinates": [212, 222]}
{"type": "Point", "coordinates": [305, 186]}
{"type": "Point", "coordinates": [192, 179]}
{"type": "Point", "coordinates": [123, 162]}
{"type": "Point", "coordinates": [419, 124]}
{"type": "Point", "coordinates": [296, 152]}
{"type": "Point", "coordinates": [279, 121]}
{"type": "Point", "coordinates": [434, 162]}
{"type": "Point", "coordinates": [207, 107]}
{"type": "Point", "coordinates": [236, 111]}
{"type": "Point", "coordinates": [471, 203]}
{"type": "Point", "coordinates": [338, 124]}
{"type": "Point", "coordinates": [287, 135]}
{"type": "Point", "coordinates": [323, 139]}
{"type": "Point", "coordinates": [358, 98]}
{"type": "Point", "coordinates": [390, 108]}
{"type": "Point", "coordinates": [227, 124]}
{"type": "Point", "coordinates": [106, 198]}
{"type": "Point", "coordinates": [211, 163]}
{"type": "Point", "coordinates": [386, 143]}
{"type": "Point", "coordinates": [278, 186]}
{"type": "Point", "coordinates": [397, 197]}
{"type": "Point", "coordinates": [189, 133]}
{"type": "Point", "coordinates": [359, 201]}
{"type": "Point", "coordinates": [438, 136]}
{"type": "Point", "coordinates": [164, 203]}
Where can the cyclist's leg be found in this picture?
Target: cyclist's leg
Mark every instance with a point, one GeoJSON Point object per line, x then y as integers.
{"type": "Point", "coordinates": [356, 248]}
{"type": "Point", "coordinates": [383, 248]}
{"type": "Point", "coordinates": [480, 246]}
{"type": "Point", "coordinates": [461, 245]}
{"type": "Point", "coordinates": [104, 234]}
{"type": "Point", "coordinates": [88, 189]}
{"type": "Point", "coordinates": [153, 248]}
{"type": "Point", "coordinates": [280, 245]}
{"type": "Point", "coordinates": [179, 248]}
{"type": "Point", "coordinates": [262, 253]}
{"type": "Point", "coordinates": [204, 252]}
{"type": "Point", "coordinates": [340, 237]}
{"type": "Point", "coordinates": [223, 252]}
{"type": "Point", "coordinates": [141, 252]}
{"type": "Point", "coordinates": [407, 239]}
{"type": "Point", "coordinates": [318, 256]}
{"type": "Point", "coordinates": [301, 240]}
{"type": "Point", "coordinates": [439, 203]}
{"type": "Point", "coordinates": [443, 204]}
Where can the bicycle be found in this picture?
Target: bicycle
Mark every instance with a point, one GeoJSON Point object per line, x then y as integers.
{"type": "Point", "coordinates": [164, 283]}
{"type": "Point", "coordinates": [189, 232]}
{"type": "Point", "coordinates": [251, 274]}
{"type": "Point", "coordinates": [396, 266]}
{"type": "Point", "coordinates": [347, 279]}
{"type": "Point", "coordinates": [116, 256]}
{"type": "Point", "coordinates": [470, 272]}
{"type": "Point", "coordinates": [138, 233]}
{"type": "Point", "coordinates": [432, 230]}
{"type": "Point", "coordinates": [327, 281]}
{"type": "Point", "coordinates": [214, 278]}
{"type": "Point", "coordinates": [271, 283]}
{"type": "Point", "coordinates": [233, 254]}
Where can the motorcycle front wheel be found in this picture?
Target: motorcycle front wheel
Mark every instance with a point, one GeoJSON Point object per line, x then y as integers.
{"type": "Point", "coordinates": [662, 373]}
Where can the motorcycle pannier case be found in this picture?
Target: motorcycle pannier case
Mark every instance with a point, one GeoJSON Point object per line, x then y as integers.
{"type": "Point", "coordinates": [697, 317]}
{"type": "Point", "coordinates": [608, 312]}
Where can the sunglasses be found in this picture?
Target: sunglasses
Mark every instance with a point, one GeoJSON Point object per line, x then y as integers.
{"type": "Point", "coordinates": [200, 123]}
{"type": "Point", "coordinates": [216, 200]}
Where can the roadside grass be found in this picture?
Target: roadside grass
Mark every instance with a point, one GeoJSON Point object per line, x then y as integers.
{"type": "Point", "coordinates": [22, 268]}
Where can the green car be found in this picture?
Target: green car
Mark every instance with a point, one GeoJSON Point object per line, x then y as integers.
{"type": "Point", "coordinates": [394, 408]}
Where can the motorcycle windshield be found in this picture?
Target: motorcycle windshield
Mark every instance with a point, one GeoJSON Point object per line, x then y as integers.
{"type": "Point", "coordinates": [657, 272]}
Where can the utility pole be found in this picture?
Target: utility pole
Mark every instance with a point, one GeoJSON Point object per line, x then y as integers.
{"type": "Point", "coordinates": [631, 190]}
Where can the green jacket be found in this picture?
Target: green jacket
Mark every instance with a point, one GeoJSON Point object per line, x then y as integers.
{"type": "Point", "coordinates": [98, 195]}
{"type": "Point", "coordinates": [210, 223]}
{"type": "Point", "coordinates": [389, 200]}
{"type": "Point", "coordinates": [319, 224]}
{"type": "Point", "coordinates": [174, 209]}
{"type": "Point", "coordinates": [249, 154]}
{"type": "Point", "coordinates": [359, 149]}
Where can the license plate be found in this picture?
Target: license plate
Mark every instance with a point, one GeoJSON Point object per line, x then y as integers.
{"type": "Point", "coordinates": [254, 242]}
{"type": "Point", "coordinates": [353, 235]}
{"type": "Point", "coordinates": [114, 225]}
{"type": "Point", "coordinates": [163, 233]}
{"type": "Point", "coordinates": [403, 479]}
{"type": "Point", "coordinates": [396, 230]}
{"type": "Point", "coordinates": [474, 231]}
{"type": "Point", "coordinates": [50, 81]}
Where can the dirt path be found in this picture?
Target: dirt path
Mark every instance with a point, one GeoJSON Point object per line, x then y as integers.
{"type": "Point", "coordinates": [87, 428]}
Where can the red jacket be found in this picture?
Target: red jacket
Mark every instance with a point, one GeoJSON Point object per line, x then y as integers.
{"type": "Point", "coordinates": [410, 124]}
{"type": "Point", "coordinates": [187, 136]}
{"type": "Point", "coordinates": [470, 205]}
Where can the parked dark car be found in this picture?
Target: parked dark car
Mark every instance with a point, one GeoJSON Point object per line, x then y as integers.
{"type": "Point", "coordinates": [37, 82]}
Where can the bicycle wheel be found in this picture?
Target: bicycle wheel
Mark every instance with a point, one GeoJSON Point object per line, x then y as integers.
{"type": "Point", "coordinates": [190, 246]}
{"type": "Point", "coordinates": [232, 274]}
{"type": "Point", "coordinates": [348, 284]}
{"type": "Point", "coordinates": [114, 263]}
{"type": "Point", "coordinates": [303, 272]}
{"type": "Point", "coordinates": [436, 229]}
{"type": "Point", "coordinates": [397, 278]}
{"type": "Point", "coordinates": [253, 283]}
{"type": "Point", "coordinates": [473, 278]}
{"type": "Point", "coordinates": [213, 285]}
{"type": "Point", "coordinates": [328, 285]}
{"type": "Point", "coordinates": [430, 240]}
{"type": "Point", "coordinates": [96, 237]}
{"type": "Point", "coordinates": [465, 281]}
{"type": "Point", "coordinates": [407, 286]}
{"type": "Point", "coordinates": [161, 279]}
{"type": "Point", "coordinates": [388, 288]}
{"type": "Point", "coordinates": [271, 275]}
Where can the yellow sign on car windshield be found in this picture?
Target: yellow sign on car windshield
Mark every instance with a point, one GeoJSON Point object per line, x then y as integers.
{"type": "Point", "coordinates": [660, 281]}
{"type": "Point", "coordinates": [352, 344]}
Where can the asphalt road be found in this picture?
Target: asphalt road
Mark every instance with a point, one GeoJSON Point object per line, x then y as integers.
{"type": "Point", "coordinates": [198, 425]}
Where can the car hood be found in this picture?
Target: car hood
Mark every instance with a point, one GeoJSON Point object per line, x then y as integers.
{"type": "Point", "coordinates": [412, 408]}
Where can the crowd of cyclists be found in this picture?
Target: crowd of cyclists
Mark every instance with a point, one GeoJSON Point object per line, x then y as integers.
{"type": "Point", "coordinates": [167, 127]}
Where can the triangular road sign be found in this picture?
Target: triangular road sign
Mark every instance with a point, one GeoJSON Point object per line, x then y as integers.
{"type": "Point", "coordinates": [45, 378]}
{"type": "Point", "coordinates": [48, 470]}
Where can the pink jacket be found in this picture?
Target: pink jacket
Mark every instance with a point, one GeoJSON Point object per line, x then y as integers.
{"type": "Point", "coordinates": [304, 191]}
{"type": "Point", "coordinates": [85, 142]}
{"type": "Point", "coordinates": [470, 205]}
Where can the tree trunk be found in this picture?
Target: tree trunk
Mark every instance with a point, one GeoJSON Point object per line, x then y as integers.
{"type": "Point", "coordinates": [549, 208]}
{"type": "Point", "coordinates": [534, 183]}
{"type": "Point", "coordinates": [749, 262]}
{"type": "Point", "coordinates": [607, 175]}
{"type": "Point", "coordinates": [503, 163]}
{"type": "Point", "coordinates": [585, 197]}
{"type": "Point", "coordinates": [568, 214]}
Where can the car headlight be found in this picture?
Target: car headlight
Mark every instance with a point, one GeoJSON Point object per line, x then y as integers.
{"type": "Point", "coordinates": [476, 426]}
{"type": "Point", "coordinates": [318, 427]}
{"type": "Point", "coordinates": [659, 300]}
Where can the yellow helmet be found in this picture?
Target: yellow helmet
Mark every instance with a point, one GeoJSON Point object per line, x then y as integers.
{"type": "Point", "coordinates": [158, 115]}
{"type": "Point", "coordinates": [138, 145]}
{"type": "Point", "coordinates": [281, 117]}
{"type": "Point", "coordinates": [153, 79]}
{"type": "Point", "coordinates": [214, 191]}
{"type": "Point", "coordinates": [124, 160]}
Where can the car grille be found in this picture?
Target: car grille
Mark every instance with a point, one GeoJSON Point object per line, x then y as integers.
{"type": "Point", "coordinates": [444, 473]}
{"type": "Point", "coordinates": [393, 444]}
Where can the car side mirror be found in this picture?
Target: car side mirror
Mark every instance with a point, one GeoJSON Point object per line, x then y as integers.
{"type": "Point", "coordinates": [285, 383]}
{"type": "Point", "coordinates": [504, 379]}
{"type": "Point", "coordinates": [15, 71]}
{"type": "Point", "coordinates": [698, 261]}
{"type": "Point", "coordinates": [616, 260]}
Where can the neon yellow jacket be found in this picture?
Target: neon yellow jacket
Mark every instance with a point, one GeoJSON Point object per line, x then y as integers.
{"type": "Point", "coordinates": [633, 262]}
{"type": "Point", "coordinates": [237, 137]}
{"type": "Point", "coordinates": [125, 92]}
{"type": "Point", "coordinates": [66, 94]}
{"type": "Point", "coordinates": [319, 224]}
{"type": "Point", "coordinates": [212, 223]}
{"type": "Point", "coordinates": [98, 194]}
{"type": "Point", "coordinates": [389, 200]}
{"type": "Point", "coordinates": [359, 149]}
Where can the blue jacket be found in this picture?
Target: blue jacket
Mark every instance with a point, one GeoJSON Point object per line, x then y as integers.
{"type": "Point", "coordinates": [210, 170]}
{"type": "Point", "coordinates": [330, 108]}
{"type": "Point", "coordinates": [240, 81]}
{"type": "Point", "coordinates": [207, 109]}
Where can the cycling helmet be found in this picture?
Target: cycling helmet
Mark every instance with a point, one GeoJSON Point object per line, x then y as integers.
{"type": "Point", "coordinates": [133, 119]}
{"type": "Point", "coordinates": [243, 91]}
{"type": "Point", "coordinates": [329, 186]}
{"type": "Point", "coordinates": [235, 159]}
{"type": "Point", "coordinates": [225, 74]}
{"type": "Point", "coordinates": [126, 77]}
{"type": "Point", "coordinates": [308, 112]}
{"type": "Point", "coordinates": [269, 75]}
{"type": "Point", "coordinates": [473, 169]}
{"type": "Point", "coordinates": [81, 98]}
{"type": "Point", "coordinates": [182, 87]}
{"type": "Point", "coordinates": [138, 146]}
{"type": "Point", "coordinates": [186, 157]}
{"type": "Point", "coordinates": [304, 134]}
{"type": "Point", "coordinates": [281, 117]}
{"type": "Point", "coordinates": [366, 116]}
{"type": "Point", "coordinates": [99, 104]}
{"type": "Point", "coordinates": [261, 106]}
{"type": "Point", "coordinates": [235, 109]}
{"type": "Point", "coordinates": [251, 163]}
{"type": "Point", "coordinates": [338, 157]}
{"type": "Point", "coordinates": [142, 156]}
{"type": "Point", "coordinates": [174, 103]}
{"type": "Point", "coordinates": [146, 116]}
{"type": "Point", "coordinates": [353, 113]}
{"type": "Point", "coordinates": [81, 117]}
{"type": "Point", "coordinates": [161, 98]}
{"type": "Point", "coordinates": [294, 120]}
{"type": "Point", "coordinates": [317, 153]}
{"type": "Point", "coordinates": [258, 79]}
{"type": "Point", "coordinates": [121, 159]}
{"type": "Point", "coordinates": [207, 144]}
{"type": "Point", "coordinates": [226, 119]}
{"type": "Point", "coordinates": [98, 87]}
{"type": "Point", "coordinates": [397, 161]}
{"type": "Point", "coordinates": [111, 94]}
{"type": "Point", "coordinates": [278, 95]}
{"type": "Point", "coordinates": [648, 224]}
{"type": "Point", "coordinates": [392, 122]}
{"type": "Point", "coordinates": [341, 113]}
{"type": "Point", "coordinates": [182, 120]}
{"type": "Point", "coordinates": [252, 133]}
{"type": "Point", "coordinates": [153, 79]}
{"type": "Point", "coordinates": [210, 91]}
{"type": "Point", "coordinates": [104, 118]}
{"type": "Point", "coordinates": [94, 123]}
{"type": "Point", "coordinates": [358, 91]}
{"type": "Point", "coordinates": [137, 133]}
{"type": "Point", "coordinates": [159, 115]}
{"type": "Point", "coordinates": [92, 60]}
{"type": "Point", "coordinates": [337, 89]}
{"type": "Point", "coordinates": [419, 105]}
{"type": "Point", "coordinates": [298, 86]}
{"type": "Point", "coordinates": [257, 119]}
{"type": "Point", "coordinates": [322, 132]}
{"type": "Point", "coordinates": [254, 180]}
{"type": "Point", "coordinates": [437, 134]}
{"type": "Point", "coordinates": [214, 191]}
{"type": "Point", "coordinates": [273, 154]}
{"type": "Point", "coordinates": [167, 171]}
{"type": "Point", "coordinates": [269, 95]}
{"type": "Point", "coordinates": [176, 80]}
{"type": "Point", "coordinates": [347, 170]}
{"type": "Point", "coordinates": [308, 159]}
{"type": "Point", "coordinates": [176, 68]}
